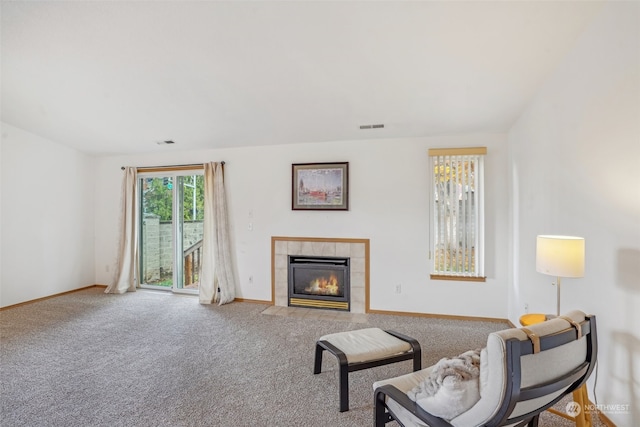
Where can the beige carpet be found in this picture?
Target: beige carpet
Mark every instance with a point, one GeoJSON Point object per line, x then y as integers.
{"type": "Point", "coordinates": [155, 359]}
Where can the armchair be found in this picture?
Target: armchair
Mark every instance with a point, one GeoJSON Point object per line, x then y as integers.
{"type": "Point", "coordinates": [523, 371]}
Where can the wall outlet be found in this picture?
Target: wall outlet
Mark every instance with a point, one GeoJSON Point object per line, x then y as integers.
{"type": "Point", "coordinates": [526, 307]}
{"type": "Point", "coordinates": [398, 289]}
{"type": "Point", "coordinates": [251, 280]}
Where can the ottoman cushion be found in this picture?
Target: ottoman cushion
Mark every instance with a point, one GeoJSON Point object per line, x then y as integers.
{"type": "Point", "coordinates": [367, 344]}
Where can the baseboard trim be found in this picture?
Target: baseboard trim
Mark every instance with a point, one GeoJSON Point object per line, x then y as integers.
{"type": "Point", "coordinates": [439, 316]}
{"type": "Point", "coordinates": [51, 296]}
{"type": "Point", "coordinates": [254, 301]}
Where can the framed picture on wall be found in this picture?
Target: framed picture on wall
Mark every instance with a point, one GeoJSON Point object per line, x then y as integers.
{"type": "Point", "coordinates": [320, 186]}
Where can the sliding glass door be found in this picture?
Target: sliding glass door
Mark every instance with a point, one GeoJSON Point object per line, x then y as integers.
{"type": "Point", "coordinates": [171, 230]}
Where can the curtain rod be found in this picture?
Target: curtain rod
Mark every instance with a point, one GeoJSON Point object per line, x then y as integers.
{"type": "Point", "coordinates": [171, 166]}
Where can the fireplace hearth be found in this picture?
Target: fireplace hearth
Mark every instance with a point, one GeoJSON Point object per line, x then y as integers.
{"type": "Point", "coordinates": [319, 282]}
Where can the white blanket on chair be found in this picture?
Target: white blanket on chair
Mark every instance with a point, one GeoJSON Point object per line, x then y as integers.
{"type": "Point", "coordinates": [452, 387]}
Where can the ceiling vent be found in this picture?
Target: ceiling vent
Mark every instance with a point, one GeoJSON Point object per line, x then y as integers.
{"type": "Point", "coordinates": [371, 126]}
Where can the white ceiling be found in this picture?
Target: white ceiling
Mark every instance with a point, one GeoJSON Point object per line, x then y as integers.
{"type": "Point", "coordinates": [117, 77]}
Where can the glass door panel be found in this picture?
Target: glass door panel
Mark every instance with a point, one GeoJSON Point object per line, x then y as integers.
{"type": "Point", "coordinates": [156, 239]}
{"type": "Point", "coordinates": [172, 214]}
{"type": "Point", "coordinates": [192, 217]}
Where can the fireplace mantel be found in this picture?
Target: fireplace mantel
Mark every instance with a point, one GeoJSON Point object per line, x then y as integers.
{"type": "Point", "coordinates": [356, 249]}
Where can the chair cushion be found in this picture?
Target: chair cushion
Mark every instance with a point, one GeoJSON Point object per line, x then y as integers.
{"type": "Point", "coordinates": [484, 371]}
{"type": "Point", "coordinates": [452, 399]}
{"type": "Point", "coordinates": [535, 368]}
{"type": "Point", "coordinates": [367, 344]}
{"type": "Point", "coordinates": [452, 387]}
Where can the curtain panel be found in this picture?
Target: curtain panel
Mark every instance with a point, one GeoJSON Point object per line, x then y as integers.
{"type": "Point", "coordinates": [128, 248]}
{"type": "Point", "coordinates": [217, 278]}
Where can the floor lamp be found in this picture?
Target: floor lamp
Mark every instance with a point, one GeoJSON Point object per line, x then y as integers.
{"type": "Point", "coordinates": [560, 256]}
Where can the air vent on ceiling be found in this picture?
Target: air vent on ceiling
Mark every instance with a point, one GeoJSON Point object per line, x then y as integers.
{"type": "Point", "coordinates": [371, 126]}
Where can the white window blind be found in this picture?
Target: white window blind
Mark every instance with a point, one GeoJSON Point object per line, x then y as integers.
{"type": "Point", "coordinates": [457, 201]}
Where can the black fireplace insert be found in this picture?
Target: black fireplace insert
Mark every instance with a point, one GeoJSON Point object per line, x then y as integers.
{"type": "Point", "coordinates": [319, 282]}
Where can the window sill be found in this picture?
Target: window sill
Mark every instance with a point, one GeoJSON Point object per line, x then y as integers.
{"type": "Point", "coordinates": [458, 278]}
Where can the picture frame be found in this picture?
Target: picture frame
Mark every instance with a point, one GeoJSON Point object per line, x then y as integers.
{"type": "Point", "coordinates": [320, 186]}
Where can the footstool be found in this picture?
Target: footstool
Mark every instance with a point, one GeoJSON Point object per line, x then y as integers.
{"type": "Point", "coordinates": [364, 349]}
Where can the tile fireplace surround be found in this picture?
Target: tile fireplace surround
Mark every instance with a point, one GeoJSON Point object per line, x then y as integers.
{"type": "Point", "coordinates": [356, 249]}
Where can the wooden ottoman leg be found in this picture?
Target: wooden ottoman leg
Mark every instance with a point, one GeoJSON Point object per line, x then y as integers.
{"type": "Point", "coordinates": [417, 359]}
{"type": "Point", "coordinates": [344, 382]}
{"type": "Point", "coordinates": [317, 363]}
{"type": "Point", "coordinates": [343, 366]}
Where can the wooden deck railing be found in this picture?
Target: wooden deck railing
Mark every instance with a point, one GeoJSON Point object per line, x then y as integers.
{"type": "Point", "coordinates": [192, 258]}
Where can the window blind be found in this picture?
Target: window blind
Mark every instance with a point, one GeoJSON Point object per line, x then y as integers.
{"type": "Point", "coordinates": [457, 248]}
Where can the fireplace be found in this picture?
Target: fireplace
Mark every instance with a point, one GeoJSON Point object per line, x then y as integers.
{"type": "Point", "coordinates": [319, 282]}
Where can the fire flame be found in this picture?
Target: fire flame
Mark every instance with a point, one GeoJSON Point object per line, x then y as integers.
{"type": "Point", "coordinates": [324, 286]}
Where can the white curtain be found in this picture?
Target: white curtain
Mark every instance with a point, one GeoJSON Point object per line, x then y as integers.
{"type": "Point", "coordinates": [128, 253]}
{"type": "Point", "coordinates": [217, 278]}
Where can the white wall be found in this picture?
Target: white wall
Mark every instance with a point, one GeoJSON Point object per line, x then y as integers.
{"type": "Point", "coordinates": [47, 218]}
{"type": "Point", "coordinates": [388, 204]}
{"type": "Point", "coordinates": [574, 159]}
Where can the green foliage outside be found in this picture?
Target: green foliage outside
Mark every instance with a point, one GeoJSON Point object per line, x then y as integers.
{"type": "Point", "coordinates": [189, 182]}
{"type": "Point", "coordinates": [167, 283]}
{"type": "Point", "coordinates": [157, 195]}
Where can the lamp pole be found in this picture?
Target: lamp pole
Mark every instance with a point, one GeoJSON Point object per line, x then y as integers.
{"type": "Point", "coordinates": [558, 298]}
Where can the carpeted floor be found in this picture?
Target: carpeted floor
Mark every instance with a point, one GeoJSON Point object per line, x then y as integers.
{"type": "Point", "coordinates": [155, 359]}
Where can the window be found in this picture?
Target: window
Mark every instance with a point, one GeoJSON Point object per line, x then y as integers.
{"type": "Point", "coordinates": [457, 209]}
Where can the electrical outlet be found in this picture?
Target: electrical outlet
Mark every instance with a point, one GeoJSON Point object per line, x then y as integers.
{"type": "Point", "coordinates": [526, 307]}
{"type": "Point", "coordinates": [250, 280]}
{"type": "Point", "coordinates": [398, 289]}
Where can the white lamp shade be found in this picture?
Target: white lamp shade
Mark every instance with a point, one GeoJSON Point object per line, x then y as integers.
{"type": "Point", "coordinates": [561, 256]}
